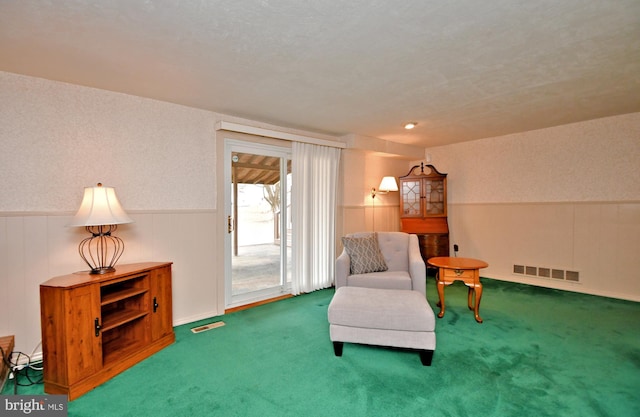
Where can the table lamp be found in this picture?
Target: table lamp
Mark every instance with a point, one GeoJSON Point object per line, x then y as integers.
{"type": "Point", "coordinates": [100, 213]}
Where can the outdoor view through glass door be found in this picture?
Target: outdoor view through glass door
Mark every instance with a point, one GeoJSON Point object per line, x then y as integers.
{"type": "Point", "coordinates": [259, 235]}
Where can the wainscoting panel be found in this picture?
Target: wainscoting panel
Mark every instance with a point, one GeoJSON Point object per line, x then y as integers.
{"type": "Point", "coordinates": [600, 241]}
{"type": "Point", "coordinates": [36, 247]}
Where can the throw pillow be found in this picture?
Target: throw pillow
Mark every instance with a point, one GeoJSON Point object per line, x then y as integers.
{"type": "Point", "coordinates": [364, 254]}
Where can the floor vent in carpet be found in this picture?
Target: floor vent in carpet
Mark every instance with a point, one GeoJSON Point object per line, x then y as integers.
{"type": "Point", "coordinates": [206, 327]}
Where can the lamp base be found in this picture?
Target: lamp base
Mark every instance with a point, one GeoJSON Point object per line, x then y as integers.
{"type": "Point", "coordinates": [100, 271]}
{"type": "Point", "coordinates": [101, 250]}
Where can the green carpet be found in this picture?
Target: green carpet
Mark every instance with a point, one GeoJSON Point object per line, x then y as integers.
{"type": "Point", "coordinates": [539, 352]}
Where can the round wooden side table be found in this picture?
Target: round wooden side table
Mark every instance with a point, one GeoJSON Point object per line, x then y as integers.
{"type": "Point", "coordinates": [460, 269]}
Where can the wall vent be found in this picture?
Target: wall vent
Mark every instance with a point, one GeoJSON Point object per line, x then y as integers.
{"type": "Point", "coordinates": [572, 276]}
{"type": "Point", "coordinates": [546, 272]}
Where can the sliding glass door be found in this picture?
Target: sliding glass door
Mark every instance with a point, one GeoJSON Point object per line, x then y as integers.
{"type": "Point", "coordinates": [257, 244]}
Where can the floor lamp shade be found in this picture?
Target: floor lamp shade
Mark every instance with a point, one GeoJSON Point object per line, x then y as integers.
{"type": "Point", "coordinates": [100, 212]}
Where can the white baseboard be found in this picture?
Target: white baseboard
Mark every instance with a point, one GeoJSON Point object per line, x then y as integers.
{"type": "Point", "coordinates": [563, 285]}
{"type": "Point", "coordinates": [194, 318]}
{"type": "Point", "coordinates": [24, 360]}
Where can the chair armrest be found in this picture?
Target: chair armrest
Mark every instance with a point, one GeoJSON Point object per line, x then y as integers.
{"type": "Point", "coordinates": [343, 268]}
{"type": "Point", "coordinates": [417, 267]}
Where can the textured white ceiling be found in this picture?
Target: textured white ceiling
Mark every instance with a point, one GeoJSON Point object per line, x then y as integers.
{"type": "Point", "coordinates": [463, 69]}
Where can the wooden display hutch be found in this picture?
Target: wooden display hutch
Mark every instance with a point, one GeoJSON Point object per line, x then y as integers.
{"type": "Point", "coordinates": [423, 209]}
{"type": "Point", "coordinates": [96, 326]}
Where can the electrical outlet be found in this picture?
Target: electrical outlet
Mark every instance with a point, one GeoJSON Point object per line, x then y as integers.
{"type": "Point", "coordinates": [455, 248]}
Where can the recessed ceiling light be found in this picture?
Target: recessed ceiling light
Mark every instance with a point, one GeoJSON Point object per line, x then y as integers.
{"type": "Point", "coordinates": [410, 125]}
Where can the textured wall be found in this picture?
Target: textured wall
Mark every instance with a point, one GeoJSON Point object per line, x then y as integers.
{"type": "Point", "coordinates": [57, 138]}
{"type": "Point", "coordinates": [595, 160]}
{"type": "Point", "coordinates": [565, 197]}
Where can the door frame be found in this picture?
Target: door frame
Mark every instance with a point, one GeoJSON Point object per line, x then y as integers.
{"type": "Point", "coordinates": [237, 145]}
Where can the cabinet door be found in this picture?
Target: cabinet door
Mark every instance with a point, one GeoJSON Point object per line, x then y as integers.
{"type": "Point", "coordinates": [161, 303]}
{"type": "Point", "coordinates": [84, 348]}
{"type": "Point", "coordinates": [411, 201]}
{"type": "Point", "coordinates": [435, 197]}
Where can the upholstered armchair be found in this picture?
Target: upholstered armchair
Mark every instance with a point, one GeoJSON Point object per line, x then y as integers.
{"type": "Point", "coordinates": [394, 263]}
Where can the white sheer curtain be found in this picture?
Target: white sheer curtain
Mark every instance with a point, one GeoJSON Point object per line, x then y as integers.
{"type": "Point", "coordinates": [313, 202]}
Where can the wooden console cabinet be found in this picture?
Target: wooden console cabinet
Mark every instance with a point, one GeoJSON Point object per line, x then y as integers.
{"type": "Point", "coordinates": [423, 209]}
{"type": "Point", "coordinates": [6, 343]}
{"type": "Point", "coordinates": [96, 326]}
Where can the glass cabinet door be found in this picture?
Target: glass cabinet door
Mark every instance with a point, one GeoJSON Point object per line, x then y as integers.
{"type": "Point", "coordinates": [434, 196]}
{"type": "Point", "coordinates": [411, 201]}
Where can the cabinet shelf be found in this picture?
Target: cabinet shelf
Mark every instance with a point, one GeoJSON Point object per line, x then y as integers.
{"type": "Point", "coordinates": [117, 318]}
{"type": "Point", "coordinates": [120, 348]}
{"type": "Point", "coordinates": [121, 295]}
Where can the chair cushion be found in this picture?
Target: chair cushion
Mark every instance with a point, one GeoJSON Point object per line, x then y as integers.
{"type": "Point", "coordinates": [364, 254]}
{"type": "Point", "coordinates": [390, 280]}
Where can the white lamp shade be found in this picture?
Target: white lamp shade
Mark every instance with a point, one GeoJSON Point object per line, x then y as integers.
{"type": "Point", "coordinates": [388, 184]}
{"type": "Point", "coordinates": [100, 207]}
